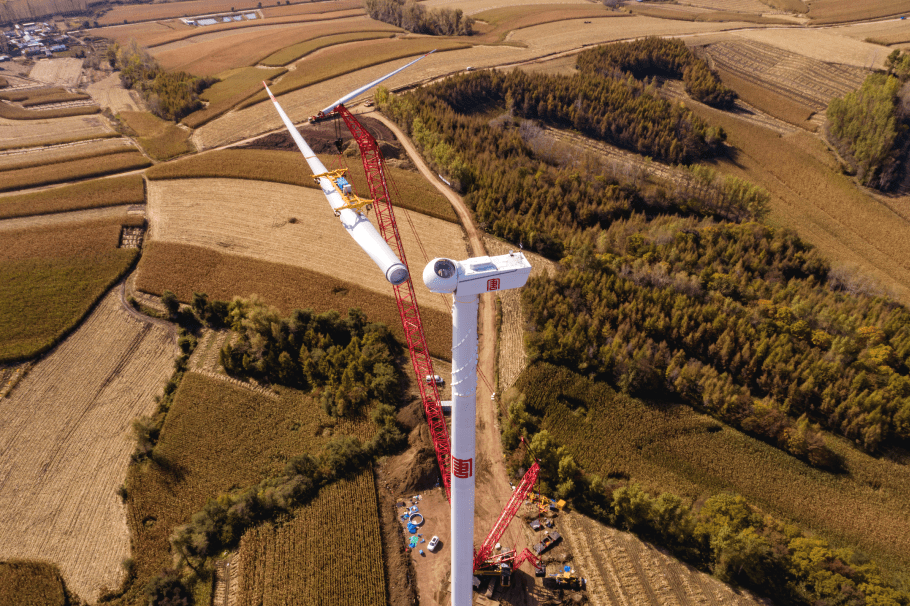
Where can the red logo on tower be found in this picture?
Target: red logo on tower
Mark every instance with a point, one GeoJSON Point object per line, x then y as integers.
{"type": "Point", "coordinates": [493, 284]}
{"type": "Point", "coordinates": [462, 468]}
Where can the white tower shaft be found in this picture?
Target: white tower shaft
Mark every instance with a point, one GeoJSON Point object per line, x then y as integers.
{"type": "Point", "coordinates": [464, 414]}
{"type": "Point", "coordinates": [467, 280]}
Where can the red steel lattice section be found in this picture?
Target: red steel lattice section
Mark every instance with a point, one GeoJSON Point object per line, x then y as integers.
{"type": "Point", "coordinates": [511, 508]}
{"type": "Point", "coordinates": [374, 167]}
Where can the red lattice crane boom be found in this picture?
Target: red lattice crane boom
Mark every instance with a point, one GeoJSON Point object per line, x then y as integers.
{"type": "Point", "coordinates": [374, 167]}
{"type": "Point", "coordinates": [518, 496]}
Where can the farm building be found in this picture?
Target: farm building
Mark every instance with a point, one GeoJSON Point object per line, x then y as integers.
{"type": "Point", "coordinates": [250, 16]}
{"type": "Point", "coordinates": [206, 22]}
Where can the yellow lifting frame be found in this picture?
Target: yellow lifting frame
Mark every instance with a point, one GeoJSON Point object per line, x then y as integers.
{"type": "Point", "coordinates": [352, 202]}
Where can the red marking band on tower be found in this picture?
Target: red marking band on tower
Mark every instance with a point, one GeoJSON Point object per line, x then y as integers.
{"type": "Point", "coordinates": [462, 468]}
{"type": "Point", "coordinates": [493, 284]}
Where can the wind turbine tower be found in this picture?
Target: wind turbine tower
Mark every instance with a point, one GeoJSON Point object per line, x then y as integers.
{"type": "Point", "coordinates": [467, 280]}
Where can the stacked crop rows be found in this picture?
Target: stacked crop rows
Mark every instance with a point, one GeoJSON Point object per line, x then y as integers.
{"type": "Point", "coordinates": [621, 569]}
{"type": "Point", "coordinates": [329, 552]}
{"type": "Point", "coordinates": [804, 80]}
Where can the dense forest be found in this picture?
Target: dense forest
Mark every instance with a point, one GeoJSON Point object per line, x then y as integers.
{"type": "Point", "coordinates": [663, 57]}
{"type": "Point", "coordinates": [416, 18]}
{"type": "Point", "coordinates": [170, 95]}
{"type": "Point", "coordinates": [869, 129]}
{"type": "Point", "coordinates": [671, 290]}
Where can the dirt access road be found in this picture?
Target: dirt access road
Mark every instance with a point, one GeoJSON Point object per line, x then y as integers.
{"type": "Point", "coordinates": [492, 489]}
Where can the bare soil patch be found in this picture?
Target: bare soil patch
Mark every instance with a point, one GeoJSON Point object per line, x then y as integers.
{"type": "Point", "coordinates": [218, 214]}
{"type": "Point", "coordinates": [110, 94]}
{"type": "Point", "coordinates": [65, 439]}
{"type": "Point", "coordinates": [62, 72]}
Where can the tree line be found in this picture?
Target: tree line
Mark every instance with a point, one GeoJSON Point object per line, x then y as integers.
{"type": "Point", "coordinates": [869, 127]}
{"type": "Point", "coordinates": [169, 95]}
{"type": "Point", "coordinates": [665, 57]}
{"type": "Point", "coordinates": [724, 535]}
{"type": "Point", "coordinates": [739, 320]}
{"type": "Point", "coordinates": [416, 18]}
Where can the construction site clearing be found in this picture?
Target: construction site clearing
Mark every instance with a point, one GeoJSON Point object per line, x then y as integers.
{"type": "Point", "coordinates": [548, 578]}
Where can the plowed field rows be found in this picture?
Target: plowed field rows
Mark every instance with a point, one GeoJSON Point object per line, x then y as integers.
{"type": "Point", "coordinates": [26, 133]}
{"type": "Point", "coordinates": [328, 553]}
{"type": "Point", "coordinates": [807, 81]}
{"type": "Point", "coordinates": [512, 356]}
{"type": "Point", "coordinates": [65, 444]}
{"type": "Point", "coordinates": [62, 72]}
{"type": "Point", "coordinates": [623, 570]}
{"type": "Point", "coordinates": [252, 219]}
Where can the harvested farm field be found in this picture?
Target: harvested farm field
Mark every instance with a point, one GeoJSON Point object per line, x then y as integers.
{"type": "Point", "coordinates": [800, 79]}
{"type": "Point", "coordinates": [61, 72]}
{"type": "Point", "coordinates": [99, 193]}
{"type": "Point", "coordinates": [755, 7]}
{"type": "Point", "coordinates": [30, 157]}
{"type": "Point", "coordinates": [31, 133]}
{"type": "Point", "coordinates": [65, 443]}
{"type": "Point", "coordinates": [623, 569]}
{"type": "Point", "coordinates": [840, 11]}
{"type": "Point", "coordinates": [822, 45]}
{"type": "Point", "coordinates": [283, 224]}
{"type": "Point", "coordinates": [110, 94]}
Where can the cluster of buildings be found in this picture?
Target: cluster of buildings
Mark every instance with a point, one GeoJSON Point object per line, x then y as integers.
{"type": "Point", "coordinates": [214, 19]}
{"type": "Point", "coordinates": [31, 39]}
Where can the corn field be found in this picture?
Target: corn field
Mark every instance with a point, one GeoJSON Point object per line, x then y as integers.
{"type": "Point", "coordinates": [329, 552]}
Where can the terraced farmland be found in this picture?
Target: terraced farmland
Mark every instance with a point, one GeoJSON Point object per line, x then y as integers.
{"type": "Point", "coordinates": [807, 81]}
{"type": "Point", "coordinates": [65, 443]}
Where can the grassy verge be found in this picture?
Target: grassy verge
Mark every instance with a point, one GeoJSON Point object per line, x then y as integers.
{"type": "Point", "coordinates": [185, 269]}
{"type": "Point", "coordinates": [52, 277]}
{"type": "Point", "coordinates": [337, 65]}
{"type": "Point", "coordinates": [217, 437]}
{"type": "Point", "coordinates": [669, 447]}
{"type": "Point", "coordinates": [31, 583]}
{"type": "Point", "coordinates": [70, 171]}
{"type": "Point", "coordinates": [235, 86]}
{"type": "Point", "coordinates": [90, 194]}
{"type": "Point", "coordinates": [288, 167]}
{"type": "Point", "coordinates": [769, 102]}
{"type": "Point", "coordinates": [302, 49]}
{"type": "Point", "coordinates": [159, 138]}
{"type": "Point", "coordinates": [12, 112]}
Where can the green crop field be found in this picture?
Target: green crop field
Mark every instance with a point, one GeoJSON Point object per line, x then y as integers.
{"type": "Point", "coordinates": [185, 269]}
{"type": "Point", "coordinates": [89, 194]}
{"type": "Point", "coordinates": [287, 563]}
{"type": "Point", "coordinates": [669, 447]}
{"type": "Point", "coordinates": [51, 278]}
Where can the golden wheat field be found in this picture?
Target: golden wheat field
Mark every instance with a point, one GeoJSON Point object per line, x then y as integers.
{"type": "Point", "coordinates": [253, 219]}
{"type": "Point", "coordinates": [294, 561]}
{"type": "Point", "coordinates": [65, 435]}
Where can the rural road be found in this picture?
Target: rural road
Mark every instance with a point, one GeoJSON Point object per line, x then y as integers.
{"type": "Point", "coordinates": [492, 489]}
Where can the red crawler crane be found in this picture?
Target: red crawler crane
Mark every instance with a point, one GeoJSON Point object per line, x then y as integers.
{"type": "Point", "coordinates": [374, 167]}
{"type": "Point", "coordinates": [482, 555]}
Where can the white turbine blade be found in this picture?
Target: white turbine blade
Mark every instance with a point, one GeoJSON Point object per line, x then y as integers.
{"type": "Point", "coordinates": [355, 222]}
{"type": "Point", "coordinates": [364, 89]}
